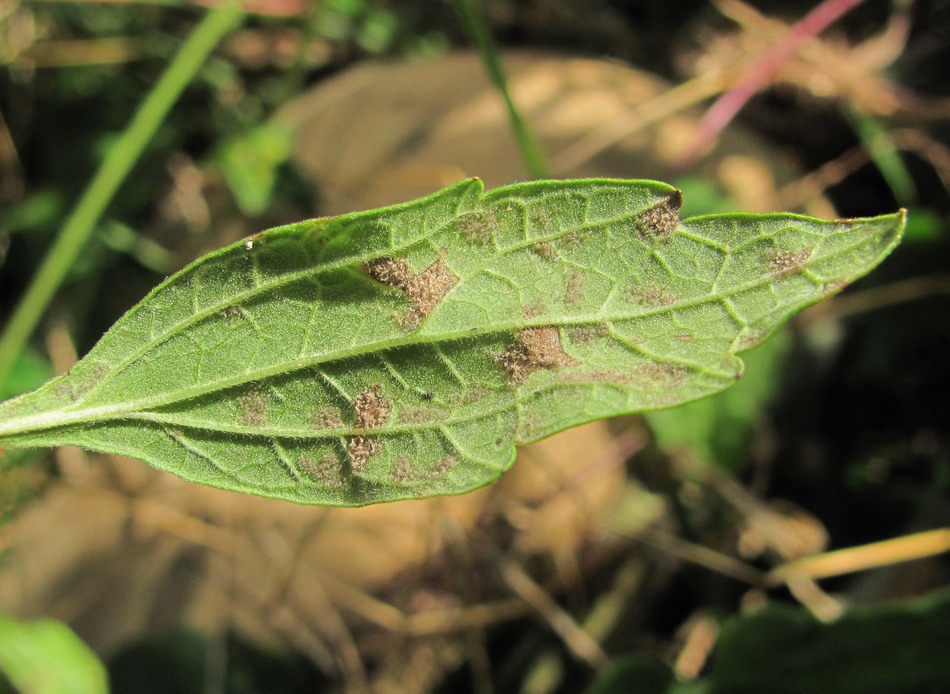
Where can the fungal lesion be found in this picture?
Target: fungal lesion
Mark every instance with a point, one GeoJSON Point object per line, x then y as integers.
{"type": "Point", "coordinates": [651, 294]}
{"type": "Point", "coordinates": [327, 418]}
{"type": "Point", "coordinates": [534, 349]}
{"type": "Point", "coordinates": [477, 226]}
{"type": "Point", "coordinates": [424, 290]}
{"type": "Point", "coordinates": [660, 221]}
{"type": "Point", "coordinates": [326, 471]}
{"type": "Point", "coordinates": [574, 289]}
{"type": "Point", "coordinates": [372, 409]}
{"type": "Point", "coordinates": [252, 406]}
{"type": "Point", "coordinates": [404, 472]}
{"type": "Point", "coordinates": [787, 262]}
{"type": "Point", "coordinates": [545, 250]}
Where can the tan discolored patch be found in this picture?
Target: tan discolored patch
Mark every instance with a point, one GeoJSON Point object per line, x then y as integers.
{"type": "Point", "coordinates": [327, 418]}
{"type": "Point", "coordinates": [544, 250]}
{"type": "Point", "coordinates": [443, 467]}
{"type": "Point", "coordinates": [684, 337]}
{"type": "Point", "coordinates": [372, 410]}
{"type": "Point", "coordinates": [569, 240]}
{"type": "Point", "coordinates": [477, 226]}
{"type": "Point", "coordinates": [360, 449]}
{"type": "Point", "coordinates": [326, 471]}
{"type": "Point", "coordinates": [474, 394]}
{"type": "Point", "coordinates": [661, 220]}
{"type": "Point", "coordinates": [533, 310]}
{"type": "Point", "coordinates": [652, 295]}
{"type": "Point", "coordinates": [403, 471]}
{"type": "Point", "coordinates": [787, 262]}
{"type": "Point", "coordinates": [530, 428]}
{"type": "Point", "coordinates": [588, 333]}
{"type": "Point", "coordinates": [535, 349]}
{"type": "Point", "coordinates": [662, 373]}
{"type": "Point", "coordinates": [424, 290]}
{"type": "Point", "coordinates": [421, 415]}
{"type": "Point", "coordinates": [86, 381]}
{"type": "Point", "coordinates": [252, 406]}
{"type": "Point", "coordinates": [574, 289]}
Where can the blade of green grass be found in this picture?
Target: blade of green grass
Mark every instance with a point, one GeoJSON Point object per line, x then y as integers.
{"type": "Point", "coordinates": [111, 174]}
{"type": "Point", "coordinates": [531, 152]}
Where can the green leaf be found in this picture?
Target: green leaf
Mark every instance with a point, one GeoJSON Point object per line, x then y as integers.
{"type": "Point", "coordinates": [403, 352]}
{"type": "Point", "coordinates": [901, 647]}
{"type": "Point", "coordinates": [46, 657]}
{"type": "Point", "coordinates": [250, 163]}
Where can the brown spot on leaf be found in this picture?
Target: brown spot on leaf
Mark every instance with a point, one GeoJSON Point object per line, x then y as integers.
{"type": "Point", "coordinates": [651, 295]}
{"type": "Point", "coordinates": [327, 418]}
{"type": "Point", "coordinates": [477, 226]}
{"type": "Point", "coordinates": [82, 381]}
{"type": "Point", "coordinates": [403, 471]}
{"type": "Point", "coordinates": [544, 250]}
{"type": "Point", "coordinates": [683, 337]}
{"type": "Point", "coordinates": [325, 471]}
{"type": "Point", "coordinates": [569, 240]}
{"type": "Point", "coordinates": [468, 397]}
{"type": "Point", "coordinates": [573, 289]}
{"type": "Point", "coordinates": [443, 467]}
{"type": "Point", "coordinates": [372, 410]}
{"type": "Point", "coordinates": [662, 373]}
{"type": "Point", "coordinates": [252, 406]}
{"type": "Point", "coordinates": [787, 262]}
{"type": "Point", "coordinates": [424, 290]}
{"type": "Point", "coordinates": [360, 449]}
{"type": "Point", "coordinates": [533, 310]}
{"type": "Point", "coordinates": [661, 220]}
{"type": "Point", "coordinates": [421, 415]}
{"type": "Point", "coordinates": [587, 333]}
{"type": "Point", "coordinates": [535, 349]}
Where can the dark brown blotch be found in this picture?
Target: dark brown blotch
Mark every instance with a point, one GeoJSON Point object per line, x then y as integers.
{"type": "Point", "coordinates": [535, 349]}
{"type": "Point", "coordinates": [424, 290]}
{"type": "Point", "coordinates": [661, 220]}
{"type": "Point", "coordinates": [372, 409]}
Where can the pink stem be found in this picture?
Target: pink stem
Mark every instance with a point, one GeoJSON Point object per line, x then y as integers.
{"type": "Point", "coordinates": [761, 72]}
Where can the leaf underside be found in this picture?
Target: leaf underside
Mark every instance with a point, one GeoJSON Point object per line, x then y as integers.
{"type": "Point", "coordinates": [405, 351]}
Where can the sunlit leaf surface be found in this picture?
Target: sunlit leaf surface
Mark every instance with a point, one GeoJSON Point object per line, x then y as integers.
{"type": "Point", "coordinates": [404, 352]}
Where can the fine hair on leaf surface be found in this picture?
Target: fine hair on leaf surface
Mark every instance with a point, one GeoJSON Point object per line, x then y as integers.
{"type": "Point", "coordinates": [404, 352]}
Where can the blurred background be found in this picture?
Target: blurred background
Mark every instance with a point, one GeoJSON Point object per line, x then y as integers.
{"type": "Point", "coordinates": [787, 535]}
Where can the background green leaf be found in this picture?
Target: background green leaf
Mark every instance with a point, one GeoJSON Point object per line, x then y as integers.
{"type": "Point", "coordinates": [46, 657]}
{"type": "Point", "coordinates": [403, 352]}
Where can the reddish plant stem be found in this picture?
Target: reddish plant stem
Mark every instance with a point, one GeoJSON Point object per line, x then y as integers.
{"type": "Point", "coordinates": [758, 74]}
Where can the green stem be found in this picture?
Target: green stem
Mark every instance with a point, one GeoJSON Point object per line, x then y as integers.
{"type": "Point", "coordinates": [111, 174]}
{"type": "Point", "coordinates": [531, 151]}
{"type": "Point", "coordinates": [877, 141]}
